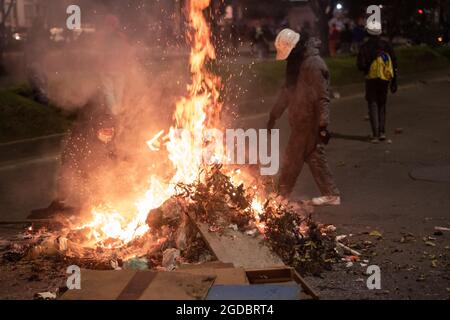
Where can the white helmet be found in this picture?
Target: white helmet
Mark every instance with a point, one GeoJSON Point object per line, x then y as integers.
{"type": "Point", "coordinates": [286, 40]}
{"type": "Point", "coordinates": [374, 28]}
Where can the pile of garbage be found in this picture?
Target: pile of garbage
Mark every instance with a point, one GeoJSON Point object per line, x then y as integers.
{"type": "Point", "coordinates": [173, 240]}
{"type": "Point", "coordinates": [286, 227]}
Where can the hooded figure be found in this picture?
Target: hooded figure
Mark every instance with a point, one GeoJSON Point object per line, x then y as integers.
{"type": "Point", "coordinates": [306, 96]}
{"type": "Point", "coordinates": [90, 145]}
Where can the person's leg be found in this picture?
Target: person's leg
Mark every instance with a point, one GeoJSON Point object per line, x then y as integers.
{"type": "Point", "coordinates": [321, 172]}
{"type": "Point", "coordinates": [383, 88]}
{"type": "Point", "coordinates": [292, 165]}
{"type": "Point", "coordinates": [371, 97]}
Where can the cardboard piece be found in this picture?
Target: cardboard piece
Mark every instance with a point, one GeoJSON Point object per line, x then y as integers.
{"type": "Point", "coordinates": [140, 285]}
{"type": "Point", "coordinates": [223, 276]}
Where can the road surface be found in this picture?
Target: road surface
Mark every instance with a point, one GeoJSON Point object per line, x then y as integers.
{"type": "Point", "coordinates": [378, 193]}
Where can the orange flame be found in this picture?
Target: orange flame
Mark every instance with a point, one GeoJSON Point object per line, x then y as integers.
{"type": "Point", "coordinates": [199, 110]}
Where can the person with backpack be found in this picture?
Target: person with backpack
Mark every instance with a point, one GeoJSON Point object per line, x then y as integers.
{"type": "Point", "coordinates": [377, 60]}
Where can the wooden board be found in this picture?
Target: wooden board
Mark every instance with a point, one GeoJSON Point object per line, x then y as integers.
{"type": "Point", "coordinates": [281, 275]}
{"type": "Point", "coordinates": [238, 248]}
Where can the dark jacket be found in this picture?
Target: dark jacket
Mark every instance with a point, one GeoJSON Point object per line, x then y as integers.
{"type": "Point", "coordinates": [370, 50]}
{"type": "Point", "coordinates": [308, 101]}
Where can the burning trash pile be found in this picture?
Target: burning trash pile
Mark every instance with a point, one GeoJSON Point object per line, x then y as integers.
{"type": "Point", "coordinates": [156, 229]}
{"type": "Point", "coordinates": [173, 238]}
{"type": "Point", "coordinates": [287, 227]}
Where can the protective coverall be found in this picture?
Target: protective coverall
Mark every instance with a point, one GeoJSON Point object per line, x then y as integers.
{"type": "Point", "coordinates": [306, 96]}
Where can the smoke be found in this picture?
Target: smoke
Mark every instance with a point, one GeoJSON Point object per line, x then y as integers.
{"type": "Point", "coordinates": [122, 66]}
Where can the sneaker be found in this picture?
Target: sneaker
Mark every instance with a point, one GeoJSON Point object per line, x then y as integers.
{"type": "Point", "coordinates": [382, 137]}
{"type": "Point", "coordinates": [375, 140]}
{"type": "Point", "coordinates": [326, 201]}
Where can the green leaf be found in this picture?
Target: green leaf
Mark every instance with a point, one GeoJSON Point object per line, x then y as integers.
{"type": "Point", "coordinates": [376, 233]}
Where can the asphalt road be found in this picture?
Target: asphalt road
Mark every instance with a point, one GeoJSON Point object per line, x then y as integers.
{"type": "Point", "coordinates": [378, 194]}
{"type": "Point", "coordinates": [377, 190]}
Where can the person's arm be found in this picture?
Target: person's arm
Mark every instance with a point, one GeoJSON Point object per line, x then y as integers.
{"type": "Point", "coordinates": [280, 106]}
{"type": "Point", "coordinates": [321, 81]}
{"type": "Point", "coordinates": [391, 52]}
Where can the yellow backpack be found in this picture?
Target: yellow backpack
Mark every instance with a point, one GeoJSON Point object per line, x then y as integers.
{"type": "Point", "coordinates": [381, 68]}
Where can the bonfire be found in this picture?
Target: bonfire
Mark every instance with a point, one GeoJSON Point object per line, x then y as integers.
{"type": "Point", "coordinates": [156, 229]}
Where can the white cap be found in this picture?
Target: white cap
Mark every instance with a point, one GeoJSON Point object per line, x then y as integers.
{"type": "Point", "coordinates": [286, 40]}
{"type": "Point", "coordinates": [374, 28]}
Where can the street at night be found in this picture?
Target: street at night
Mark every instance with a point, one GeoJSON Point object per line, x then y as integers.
{"type": "Point", "coordinates": [135, 156]}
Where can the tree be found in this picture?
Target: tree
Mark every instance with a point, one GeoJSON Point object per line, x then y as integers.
{"type": "Point", "coordinates": [5, 12]}
{"type": "Point", "coordinates": [324, 12]}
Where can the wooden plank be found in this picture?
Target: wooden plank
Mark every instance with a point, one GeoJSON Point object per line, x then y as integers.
{"type": "Point", "coordinates": [299, 279]}
{"type": "Point", "coordinates": [240, 249]}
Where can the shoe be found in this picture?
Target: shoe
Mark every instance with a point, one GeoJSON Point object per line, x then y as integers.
{"type": "Point", "coordinates": [326, 201]}
{"type": "Point", "coordinates": [382, 137]}
{"type": "Point", "coordinates": [375, 140]}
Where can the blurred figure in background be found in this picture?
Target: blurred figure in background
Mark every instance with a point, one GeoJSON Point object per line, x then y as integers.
{"type": "Point", "coordinates": [36, 46]}
{"type": "Point", "coordinates": [90, 145]}
{"type": "Point", "coordinates": [333, 40]}
{"type": "Point", "coordinates": [114, 53]}
{"type": "Point", "coordinates": [346, 39]}
{"type": "Point", "coordinates": [260, 43]}
{"type": "Point", "coordinates": [358, 35]}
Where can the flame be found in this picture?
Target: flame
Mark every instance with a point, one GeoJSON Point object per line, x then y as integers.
{"type": "Point", "coordinates": [199, 110]}
{"type": "Point", "coordinates": [258, 208]}
{"type": "Point", "coordinates": [153, 143]}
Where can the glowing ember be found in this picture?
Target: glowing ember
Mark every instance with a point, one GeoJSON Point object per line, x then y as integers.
{"type": "Point", "coordinates": [258, 209]}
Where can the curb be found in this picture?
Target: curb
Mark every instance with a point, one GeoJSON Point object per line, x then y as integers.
{"type": "Point", "coordinates": [349, 91]}
{"type": "Point", "coordinates": [36, 139]}
{"type": "Point", "coordinates": [24, 149]}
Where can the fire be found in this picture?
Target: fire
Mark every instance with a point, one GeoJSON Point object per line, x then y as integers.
{"type": "Point", "coordinates": [199, 110]}
{"type": "Point", "coordinates": [258, 208]}
{"type": "Point", "coordinates": [153, 143]}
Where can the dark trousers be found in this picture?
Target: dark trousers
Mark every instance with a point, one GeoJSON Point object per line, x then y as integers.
{"type": "Point", "coordinates": [376, 96]}
{"type": "Point", "coordinates": [293, 164]}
